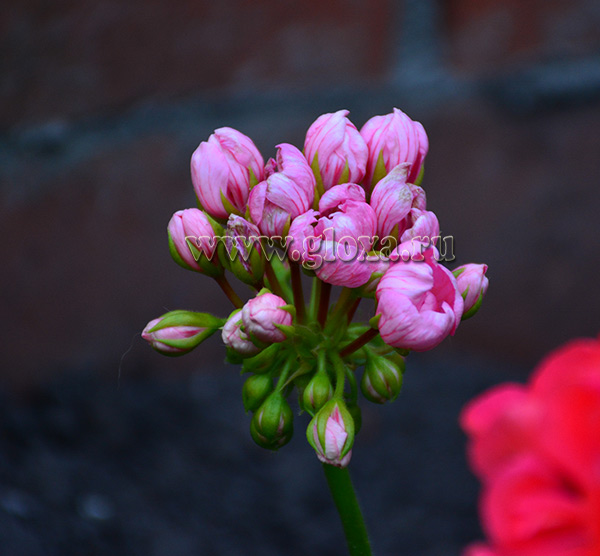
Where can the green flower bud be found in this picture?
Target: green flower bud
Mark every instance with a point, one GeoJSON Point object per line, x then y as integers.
{"type": "Point", "coordinates": [255, 391]}
{"type": "Point", "coordinates": [317, 393]}
{"type": "Point", "coordinates": [382, 379]}
{"type": "Point", "coordinates": [331, 433]}
{"type": "Point", "coordinates": [178, 332]}
{"type": "Point", "coordinates": [272, 425]}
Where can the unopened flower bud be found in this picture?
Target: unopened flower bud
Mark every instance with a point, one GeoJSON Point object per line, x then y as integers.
{"type": "Point", "coordinates": [272, 425]}
{"type": "Point", "coordinates": [235, 338]}
{"type": "Point", "coordinates": [335, 150]}
{"type": "Point", "coordinates": [194, 241]}
{"type": "Point", "coordinates": [242, 242]}
{"type": "Point", "coordinates": [472, 284]}
{"type": "Point", "coordinates": [179, 332]}
{"type": "Point", "coordinates": [224, 168]}
{"type": "Point", "coordinates": [382, 379]}
{"type": "Point", "coordinates": [255, 391]}
{"type": "Point", "coordinates": [260, 316]}
{"type": "Point", "coordinates": [317, 392]}
{"type": "Point", "coordinates": [331, 433]}
{"type": "Point", "coordinates": [393, 139]}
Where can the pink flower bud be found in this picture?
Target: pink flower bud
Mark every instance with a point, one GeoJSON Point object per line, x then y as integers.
{"type": "Point", "coordinates": [178, 332]}
{"type": "Point", "coordinates": [303, 242]}
{"type": "Point", "coordinates": [419, 304]}
{"type": "Point", "coordinates": [423, 225]}
{"type": "Point", "coordinates": [340, 150]}
{"type": "Point", "coordinates": [393, 198]}
{"type": "Point", "coordinates": [344, 211]}
{"type": "Point", "coordinates": [472, 284]}
{"type": "Point", "coordinates": [285, 194]}
{"type": "Point", "coordinates": [193, 241]}
{"type": "Point", "coordinates": [235, 338]}
{"type": "Point", "coordinates": [291, 163]}
{"type": "Point", "coordinates": [331, 433]}
{"type": "Point", "coordinates": [397, 139]}
{"type": "Point", "coordinates": [222, 171]}
{"type": "Point", "coordinates": [260, 316]}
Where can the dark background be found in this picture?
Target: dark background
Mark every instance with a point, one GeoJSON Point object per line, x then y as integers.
{"type": "Point", "coordinates": [101, 106]}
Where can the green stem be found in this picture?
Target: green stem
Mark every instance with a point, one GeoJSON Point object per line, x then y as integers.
{"type": "Point", "coordinates": [273, 281]}
{"type": "Point", "coordinates": [362, 340]}
{"type": "Point", "coordinates": [315, 295]}
{"type": "Point", "coordinates": [229, 292]}
{"type": "Point", "coordinates": [324, 303]}
{"type": "Point", "coordinates": [341, 309]}
{"type": "Point", "coordinates": [298, 293]}
{"type": "Point", "coordinates": [347, 506]}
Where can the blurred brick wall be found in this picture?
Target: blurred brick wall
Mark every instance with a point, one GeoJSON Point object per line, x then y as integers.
{"type": "Point", "coordinates": [487, 36]}
{"type": "Point", "coordinates": [102, 104]}
{"type": "Point", "coordinates": [67, 59]}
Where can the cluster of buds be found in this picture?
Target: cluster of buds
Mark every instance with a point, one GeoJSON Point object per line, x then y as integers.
{"type": "Point", "coordinates": [348, 210]}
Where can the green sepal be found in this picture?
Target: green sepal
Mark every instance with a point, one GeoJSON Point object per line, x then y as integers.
{"type": "Point", "coordinates": [380, 171]}
{"type": "Point", "coordinates": [319, 189]}
{"type": "Point", "coordinates": [288, 330]}
{"type": "Point", "coordinates": [345, 175]}
{"type": "Point", "coordinates": [291, 309]}
{"type": "Point", "coordinates": [473, 309]}
{"type": "Point", "coordinates": [228, 206]}
{"type": "Point", "coordinates": [234, 357]}
{"type": "Point", "coordinates": [419, 179]}
{"type": "Point", "coordinates": [255, 391]}
{"type": "Point", "coordinates": [374, 321]}
{"type": "Point", "coordinates": [181, 317]}
{"type": "Point", "coordinates": [272, 425]}
{"type": "Point", "coordinates": [457, 272]}
{"type": "Point", "coordinates": [262, 362]}
{"type": "Point", "coordinates": [252, 179]}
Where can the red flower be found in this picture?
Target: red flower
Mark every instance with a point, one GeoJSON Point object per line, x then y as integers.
{"type": "Point", "coordinates": [536, 449]}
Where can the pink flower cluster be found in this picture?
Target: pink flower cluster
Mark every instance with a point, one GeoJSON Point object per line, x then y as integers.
{"type": "Point", "coordinates": [336, 201]}
{"type": "Point", "coordinates": [536, 449]}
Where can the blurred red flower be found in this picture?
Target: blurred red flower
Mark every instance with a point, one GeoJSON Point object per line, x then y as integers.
{"type": "Point", "coordinates": [536, 449]}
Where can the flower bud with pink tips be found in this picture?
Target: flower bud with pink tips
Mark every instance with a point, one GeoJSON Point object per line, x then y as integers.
{"type": "Point", "coordinates": [393, 199]}
{"type": "Point", "coordinates": [335, 150]}
{"type": "Point", "coordinates": [194, 241]}
{"type": "Point", "coordinates": [235, 338]}
{"type": "Point", "coordinates": [179, 332]}
{"type": "Point", "coordinates": [418, 303]}
{"type": "Point", "coordinates": [284, 195]}
{"type": "Point", "coordinates": [272, 425]}
{"type": "Point", "coordinates": [393, 139]}
{"type": "Point", "coordinates": [262, 315]}
{"type": "Point", "coordinates": [472, 284]}
{"type": "Point", "coordinates": [331, 433]}
{"type": "Point", "coordinates": [224, 168]}
{"type": "Point", "coordinates": [382, 379]}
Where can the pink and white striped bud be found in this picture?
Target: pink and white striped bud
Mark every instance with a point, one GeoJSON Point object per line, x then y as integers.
{"type": "Point", "coordinates": [331, 433]}
{"type": "Point", "coordinates": [335, 149]}
{"type": "Point", "coordinates": [284, 195]}
{"type": "Point", "coordinates": [193, 241]}
{"type": "Point", "coordinates": [223, 170]}
{"type": "Point", "coordinates": [234, 336]}
{"type": "Point", "coordinates": [262, 314]}
{"type": "Point", "coordinates": [393, 198]}
{"type": "Point", "coordinates": [393, 139]}
{"type": "Point", "coordinates": [419, 303]}
{"type": "Point", "coordinates": [178, 332]}
{"type": "Point", "coordinates": [472, 285]}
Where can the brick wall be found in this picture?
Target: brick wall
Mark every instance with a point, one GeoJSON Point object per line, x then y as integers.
{"type": "Point", "coordinates": [102, 104]}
